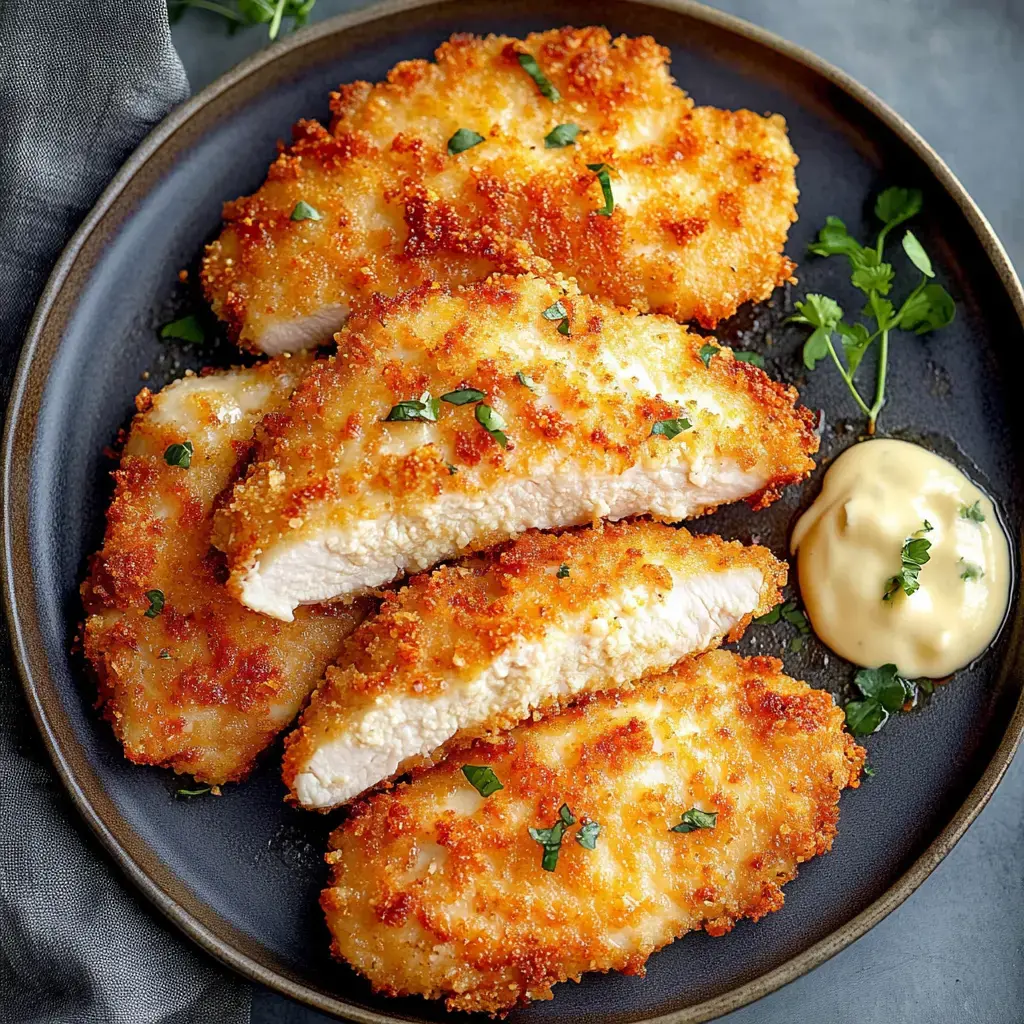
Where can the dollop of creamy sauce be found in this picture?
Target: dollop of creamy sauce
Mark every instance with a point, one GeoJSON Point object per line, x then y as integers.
{"type": "Point", "coordinates": [876, 496]}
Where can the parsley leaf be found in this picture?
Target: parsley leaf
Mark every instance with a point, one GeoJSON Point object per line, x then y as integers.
{"type": "Point", "coordinates": [706, 352]}
{"type": "Point", "coordinates": [873, 278]}
{"type": "Point", "coordinates": [482, 779]}
{"type": "Point", "coordinates": [885, 692]}
{"type": "Point", "coordinates": [835, 240]}
{"type": "Point", "coordinates": [249, 12]}
{"type": "Point", "coordinates": [864, 717]}
{"type": "Point", "coordinates": [492, 423]}
{"type": "Point", "coordinates": [526, 381]}
{"type": "Point", "coordinates": [972, 571]}
{"type": "Point", "coordinates": [694, 819]}
{"type": "Point", "coordinates": [856, 339]}
{"type": "Point", "coordinates": [587, 835]}
{"type": "Point", "coordinates": [913, 557]}
{"type": "Point", "coordinates": [789, 612]}
{"type": "Point", "coordinates": [821, 313]}
{"type": "Point", "coordinates": [164, 654]}
{"type": "Point", "coordinates": [670, 428]}
{"type": "Point", "coordinates": [156, 603]}
{"type": "Point", "coordinates": [915, 252]}
{"type": "Point", "coordinates": [896, 205]}
{"type": "Point", "coordinates": [928, 310]}
{"type": "Point", "coordinates": [303, 211]}
{"type": "Point", "coordinates": [529, 64]}
{"type": "Point", "coordinates": [869, 771]}
{"type": "Point", "coordinates": [424, 409]}
{"type": "Point", "coordinates": [769, 618]}
{"type": "Point", "coordinates": [561, 135]}
{"type": "Point", "coordinates": [187, 328]}
{"type": "Point", "coordinates": [972, 512]}
{"type": "Point", "coordinates": [179, 455]}
{"type": "Point", "coordinates": [754, 358]}
{"type": "Point", "coordinates": [462, 140]}
{"type": "Point", "coordinates": [462, 396]}
{"type": "Point", "coordinates": [551, 838]}
{"type": "Point", "coordinates": [556, 311]}
{"type": "Point", "coordinates": [601, 170]}
{"type": "Point", "coordinates": [563, 572]}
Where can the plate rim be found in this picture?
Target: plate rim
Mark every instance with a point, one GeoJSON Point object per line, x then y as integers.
{"type": "Point", "coordinates": [17, 587]}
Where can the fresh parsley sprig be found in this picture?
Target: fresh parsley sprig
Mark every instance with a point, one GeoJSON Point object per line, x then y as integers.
{"type": "Point", "coordinates": [928, 307]}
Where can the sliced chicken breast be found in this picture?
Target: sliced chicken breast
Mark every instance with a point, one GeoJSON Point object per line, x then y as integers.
{"type": "Point", "coordinates": [619, 825]}
{"type": "Point", "coordinates": [189, 678]}
{"type": "Point", "coordinates": [477, 647]}
{"type": "Point", "coordinates": [366, 476]}
{"type": "Point", "coordinates": [701, 198]}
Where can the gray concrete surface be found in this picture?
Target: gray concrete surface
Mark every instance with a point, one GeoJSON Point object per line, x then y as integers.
{"type": "Point", "coordinates": [954, 952]}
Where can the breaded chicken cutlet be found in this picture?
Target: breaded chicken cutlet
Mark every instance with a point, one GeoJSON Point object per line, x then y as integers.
{"type": "Point", "coordinates": [477, 647]}
{"type": "Point", "coordinates": [189, 678]}
{"type": "Point", "coordinates": [386, 199]}
{"type": "Point", "coordinates": [454, 419]}
{"type": "Point", "coordinates": [623, 823]}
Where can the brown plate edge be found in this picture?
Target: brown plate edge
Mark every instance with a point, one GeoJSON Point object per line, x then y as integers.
{"type": "Point", "coordinates": [17, 570]}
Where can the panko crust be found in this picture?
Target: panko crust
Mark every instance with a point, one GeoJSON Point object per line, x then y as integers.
{"type": "Point", "coordinates": [331, 460]}
{"type": "Point", "coordinates": [206, 684]}
{"type": "Point", "coordinates": [443, 628]}
{"type": "Point", "coordinates": [704, 197]}
{"type": "Point", "coordinates": [438, 892]}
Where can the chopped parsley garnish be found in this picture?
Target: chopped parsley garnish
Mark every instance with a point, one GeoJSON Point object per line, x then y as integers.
{"type": "Point", "coordinates": [164, 654]}
{"type": "Point", "coordinates": [452, 470]}
{"type": "Point", "coordinates": [587, 835]}
{"type": "Point", "coordinates": [557, 311]}
{"type": "Point", "coordinates": [198, 791]}
{"type": "Point", "coordinates": [913, 557]}
{"type": "Point", "coordinates": [551, 838]}
{"type": "Point", "coordinates": [179, 455]}
{"type": "Point", "coordinates": [424, 409]}
{"type": "Point", "coordinates": [561, 135]}
{"type": "Point", "coordinates": [972, 571]}
{"type": "Point", "coordinates": [156, 603]}
{"type": "Point", "coordinates": [529, 64]}
{"type": "Point", "coordinates": [527, 382]}
{"type": "Point", "coordinates": [601, 170]}
{"type": "Point", "coordinates": [706, 352]}
{"type": "Point", "coordinates": [463, 139]}
{"type": "Point", "coordinates": [303, 211]}
{"type": "Point", "coordinates": [462, 396]}
{"type": "Point", "coordinates": [694, 819]}
{"type": "Point", "coordinates": [670, 428]}
{"type": "Point", "coordinates": [492, 423]}
{"type": "Point", "coordinates": [482, 779]}
{"type": "Point", "coordinates": [927, 308]}
{"type": "Point", "coordinates": [754, 358]}
{"type": "Point", "coordinates": [187, 328]}
{"type": "Point", "coordinates": [925, 684]}
{"type": "Point", "coordinates": [972, 512]}
{"type": "Point", "coordinates": [885, 692]}
{"type": "Point", "coordinates": [563, 571]}
{"type": "Point", "coordinates": [869, 771]}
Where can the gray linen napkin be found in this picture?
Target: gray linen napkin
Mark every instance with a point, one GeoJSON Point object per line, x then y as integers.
{"type": "Point", "coordinates": [81, 82]}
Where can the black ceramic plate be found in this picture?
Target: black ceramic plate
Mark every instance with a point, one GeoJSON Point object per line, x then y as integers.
{"type": "Point", "coordinates": [241, 874]}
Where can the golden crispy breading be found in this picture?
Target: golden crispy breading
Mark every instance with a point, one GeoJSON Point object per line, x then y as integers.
{"type": "Point", "coordinates": [205, 685]}
{"type": "Point", "coordinates": [703, 197]}
{"type": "Point", "coordinates": [476, 647]}
{"type": "Point", "coordinates": [340, 500]}
{"type": "Point", "coordinates": [439, 892]}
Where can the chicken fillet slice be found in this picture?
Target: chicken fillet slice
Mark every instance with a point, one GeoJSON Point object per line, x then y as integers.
{"type": "Point", "coordinates": [189, 678]}
{"type": "Point", "coordinates": [477, 647]}
{"type": "Point", "coordinates": [365, 476]}
{"type": "Point", "coordinates": [439, 891]}
{"type": "Point", "coordinates": [702, 198]}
